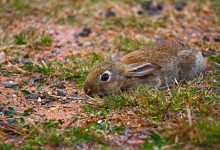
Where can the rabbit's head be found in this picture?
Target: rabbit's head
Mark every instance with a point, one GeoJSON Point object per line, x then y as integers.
{"type": "Point", "coordinates": [113, 76]}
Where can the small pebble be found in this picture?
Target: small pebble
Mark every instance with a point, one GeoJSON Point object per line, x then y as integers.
{"type": "Point", "coordinates": [36, 78]}
{"type": "Point", "coordinates": [65, 101]}
{"type": "Point", "coordinates": [159, 6]}
{"type": "Point", "coordinates": [217, 38]}
{"type": "Point", "coordinates": [179, 16]}
{"type": "Point", "coordinates": [11, 85]}
{"type": "Point", "coordinates": [15, 61]}
{"type": "Point", "coordinates": [180, 5]}
{"type": "Point", "coordinates": [26, 56]}
{"type": "Point", "coordinates": [68, 42]}
{"type": "Point", "coordinates": [140, 12]}
{"type": "Point", "coordinates": [8, 85]}
{"type": "Point", "coordinates": [48, 100]}
{"type": "Point", "coordinates": [76, 35]}
{"type": "Point", "coordinates": [31, 96]}
{"type": "Point", "coordinates": [60, 93]}
{"type": "Point", "coordinates": [205, 38]}
{"type": "Point", "coordinates": [11, 120]}
{"type": "Point", "coordinates": [60, 85]}
{"type": "Point", "coordinates": [10, 81]}
{"type": "Point", "coordinates": [110, 13]}
{"type": "Point", "coordinates": [1, 110]}
{"type": "Point", "coordinates": [79, 43]}
{"type": "Point", "coordinates": [99, 121]}
{"type": "Point", "coordinates": [49, 93]}
{"type": "Point", "coordinates": [208, 29]}
{"type": "Point", "coordinates": [74, 92]}
{"type": "Point", "coordinates": [39, 100]}
{"type": "Point", "coordinates": [52, 86]}
{"type": "Point", "coordinates": [85, 32]}
{"type": "Point", "coordinates": [151, 9]}
{"type": "Point", "coordinates": [5, 74]}
{"type": "Point", "coordinates": [147, 4]}
{"type": "Point", "coordinates": [28, 62]}
{"type": "Point", "coordinates": [88, 44]}
{"type": "Point", "coordinates": [57, 46]}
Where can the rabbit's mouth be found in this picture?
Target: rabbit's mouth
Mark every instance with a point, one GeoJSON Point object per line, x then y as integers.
{"type": "Point", "coordinates": [92, 93]}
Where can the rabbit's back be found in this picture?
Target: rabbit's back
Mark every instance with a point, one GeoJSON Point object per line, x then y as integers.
{"type": "Point", "coordinates": [159, 53]}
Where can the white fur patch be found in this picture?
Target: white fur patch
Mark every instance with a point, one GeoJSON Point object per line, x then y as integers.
{"type": "Point", "coordinates": [108, 72]}
{"type": "Point", "coordinates": [199, 63]}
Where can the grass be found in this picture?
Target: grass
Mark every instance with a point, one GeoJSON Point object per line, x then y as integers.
{"type": "Point", "coordinates": [185, 116]}
{"type": "Point", "coordinates": [131, 21]}
{"type": "Point", "coordinates": [30, 37]}
{"type": "Point", "coordinates": [190, 114]}
{"type": "Point", "coordinates": [111, 102]}
{"type": "Point", "coordinates": [168, 103]}
{"type": "Point", "coordinates": [128, 44]}
{"type": "Point", "coordinates": [127, 21]}
{"type": "Point", "coordinates": [20, 39]}
{"type": "Point", "coordinates": [72, 20]}
{"type": "Point", "coordinates": [74, 69]}
{"type": "Point", "coordinates": [47, 133]}
{"type": "Point", "coordinates": [18, 6]}
{"type": "Point", "coordinates": [154, 141]}
{"type": "Point", "coordinates": [43, 40]}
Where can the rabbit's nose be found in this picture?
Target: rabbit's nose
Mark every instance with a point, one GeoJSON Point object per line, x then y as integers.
{"type": "Point", "coordinates": [87, 91]}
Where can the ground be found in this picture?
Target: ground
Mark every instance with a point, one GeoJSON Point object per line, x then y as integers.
{"type": "Point", "coordinates": [47, 49]}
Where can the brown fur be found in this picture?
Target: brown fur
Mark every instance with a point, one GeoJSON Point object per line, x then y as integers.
{"type": "Point", "coordinates": [175, 59]}
{"type": "Point", "coordinates": [158, 53]}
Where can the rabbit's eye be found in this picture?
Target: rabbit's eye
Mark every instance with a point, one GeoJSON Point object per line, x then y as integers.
{"type": "Point", "coordinates": [105, 77]}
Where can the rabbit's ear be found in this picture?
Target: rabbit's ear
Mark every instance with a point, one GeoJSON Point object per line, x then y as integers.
{"type": "Point", "coordinates": [141, 69]}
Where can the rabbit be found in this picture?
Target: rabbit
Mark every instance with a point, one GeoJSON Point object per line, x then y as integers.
{"type": "Point", "coordinates": [159, 64]}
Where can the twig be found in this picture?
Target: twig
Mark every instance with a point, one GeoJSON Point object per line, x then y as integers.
{"type": "Point", "coordinates": [189, 116]}
{"type": "Point", "coordinates": [168, 86]}
{"type": "Point", "coordinates": [6, 126]}
{"type": "Point", "coordinates": [16, 67]}
{"type": "Point", "coordinates": [12, 46]}
{"type": "Point", "coordinates": [71, 122]}
{"type": "Point", "coordinates": [91, 98]}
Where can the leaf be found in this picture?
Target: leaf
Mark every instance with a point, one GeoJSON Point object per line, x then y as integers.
{"type": "Point", "coordinates": [117, 129]}
{"type": "Point", "coordinates": [22, 122]}
{"type": "Point", "coordinates": [16, 86]}
{"type": "Point", "coordinates": [17, 123]}
{"type": "Point", "coordinates": [147, 145]}
{"type": "Point", "coordinates": [60, 121]}
{"type": "Point", "coordinates": [11, 109]}
{"type": "Point", "coordinates": [10, 112]}
{"type": "Point", "coordinates": [157, 138]}
{"type": "Point", "coordinates": [27, 112]}
{"type": "Point", "coordinates": [25, 92]}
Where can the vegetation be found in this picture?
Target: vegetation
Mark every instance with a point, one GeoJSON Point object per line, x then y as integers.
{"type": "Point", "coordinates": [48, 48]}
